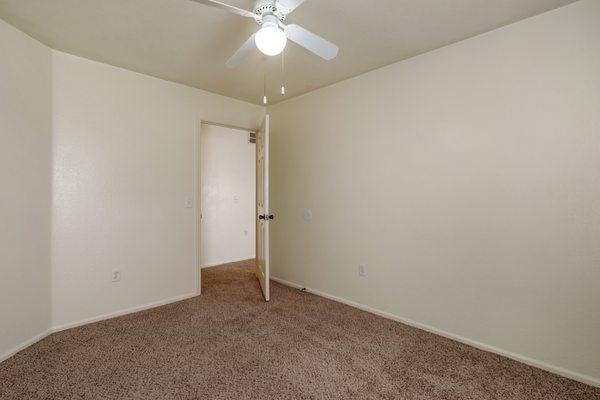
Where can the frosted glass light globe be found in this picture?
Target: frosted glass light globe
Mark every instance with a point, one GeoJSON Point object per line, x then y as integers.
{"type": "Point", "coordinates": [270, 40]}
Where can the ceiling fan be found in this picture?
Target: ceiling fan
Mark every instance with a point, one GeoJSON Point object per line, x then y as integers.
{"type": "Point", "coordinates": [272, 37]}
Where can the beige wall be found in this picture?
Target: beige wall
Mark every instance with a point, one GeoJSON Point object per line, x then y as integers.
{"type": "Point", "coordinates": [228, 196]}
{"type": "Point", "coordinates": [467, 180]}
{"type": "Point", "coordinates": [123, 169]}
{"type": "Point", "coordinates": [25, 194]}
{"type": "Point", "coordinates": [108, 156]}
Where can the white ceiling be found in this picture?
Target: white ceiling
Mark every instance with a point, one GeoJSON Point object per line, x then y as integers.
{"type": "Point", "coordinates": [187, 42]}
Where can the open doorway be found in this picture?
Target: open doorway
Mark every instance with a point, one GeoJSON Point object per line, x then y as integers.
{"type": "Point", "coordinates": [232, 211]}
{"type": "Point", "coordinates": [227, 193]}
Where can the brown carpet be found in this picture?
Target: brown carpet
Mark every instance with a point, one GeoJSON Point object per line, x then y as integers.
{"type": "Point", "coordinates": [229, 344]}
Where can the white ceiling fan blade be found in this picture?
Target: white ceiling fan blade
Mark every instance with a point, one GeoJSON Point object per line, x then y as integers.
{"type": "Point", "coordinates": [227, 7]}
{"type": "Point", "coordinates": [242, 52]}
{"type": "Point", "coordinates": [311, 42]}
{"type": "Point", "coordinates": [287, 6]}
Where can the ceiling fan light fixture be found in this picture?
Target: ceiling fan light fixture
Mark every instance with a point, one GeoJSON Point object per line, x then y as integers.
{"type": "Point", "coordinates": [270, 40]}
{"type": "Point", "coordinates": [273, 35]}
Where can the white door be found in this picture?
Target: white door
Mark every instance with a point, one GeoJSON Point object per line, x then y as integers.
{"type": "Point", "coordinates": [263, 215]}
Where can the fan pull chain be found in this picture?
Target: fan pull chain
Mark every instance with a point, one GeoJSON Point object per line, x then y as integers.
{"type": "Point", "coordinates": [265, 100]}
{"type": "Point", "coordinates": [283, 73]}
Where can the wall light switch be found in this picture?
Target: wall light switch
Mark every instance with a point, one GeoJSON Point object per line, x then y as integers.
{"type": "Point", "coordinates": [362, 271]}
{"type": "Point", "coordinates": [189, 202]}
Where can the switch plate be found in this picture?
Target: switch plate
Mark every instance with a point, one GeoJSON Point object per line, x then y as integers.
{"type": "Point", "coordinates": [362, 271]}
{"type": "Point", "coordinates": [189, 202]}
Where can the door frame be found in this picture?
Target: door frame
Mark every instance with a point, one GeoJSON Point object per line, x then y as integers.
{"type": "Point", "coordinates": [197, 187]}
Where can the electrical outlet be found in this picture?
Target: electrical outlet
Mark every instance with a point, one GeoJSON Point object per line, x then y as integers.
{"type": "Point", "coordinates": [116, 275]}
{"type": "Point", "coordinates": [308, 215]}
{"type": "Point", "coordinates": [362, 271]}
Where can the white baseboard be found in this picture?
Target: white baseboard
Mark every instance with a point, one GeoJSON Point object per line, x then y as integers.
{"type": "Point", "coordinates": [482, 346]}
{"type": "Point", "coordinates": [120, 313]}
{"type": "Point", "coordinates": [91, 320]}
{"type": "Point", "coordinates": [227, 262]}
{"type": "Point", "coordinates": [24, 345]}
{"type": "Point", "coordinates": [97, 318]}
{"type": "Point", "coordinates": [589, 380]}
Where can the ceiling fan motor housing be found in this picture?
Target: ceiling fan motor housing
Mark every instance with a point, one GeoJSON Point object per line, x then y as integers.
{"type": "Point", "coordinates": [267, 11]}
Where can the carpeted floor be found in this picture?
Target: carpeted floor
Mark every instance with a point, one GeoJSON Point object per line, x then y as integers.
{"type": "Point", "coordinates": [229, 344]}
